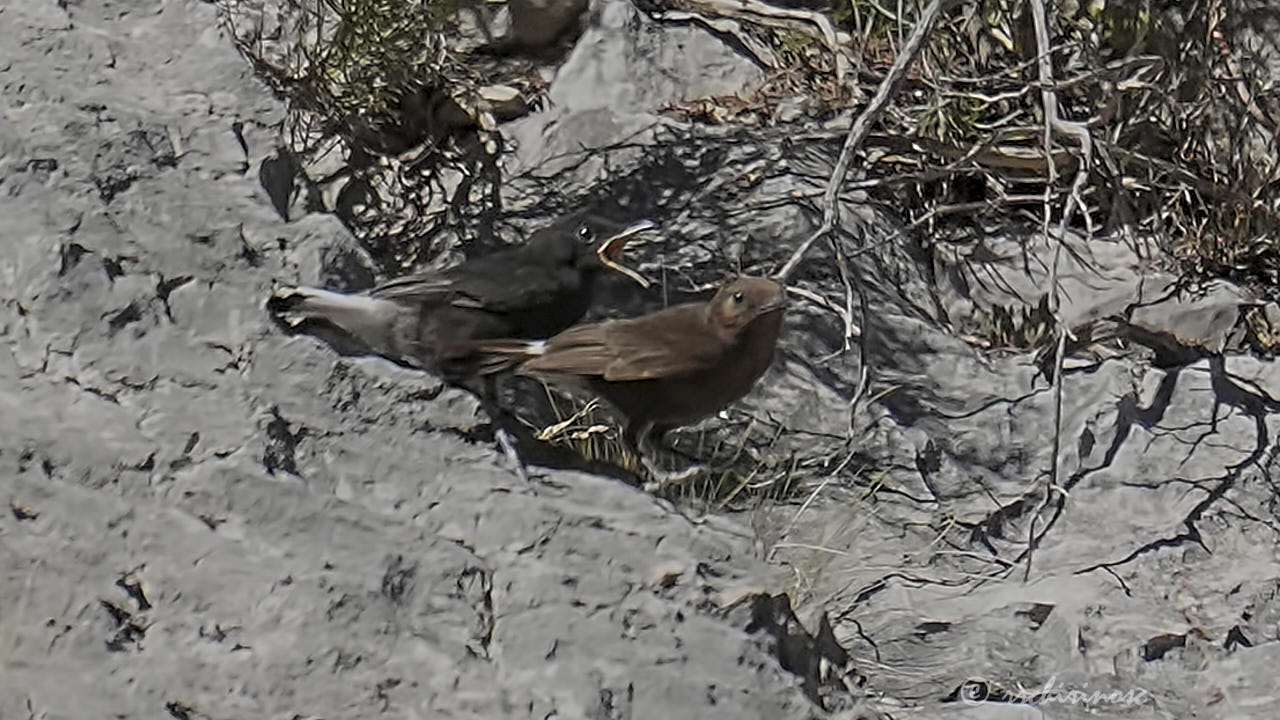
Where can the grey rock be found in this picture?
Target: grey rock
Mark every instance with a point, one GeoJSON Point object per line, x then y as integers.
{"type": "Point", "coordinates": [503, 101]}
{"type": "Point", "coordinates": [221, 520]}
{"type": "Point", "coordinates": [1200, 318]}
{"type": "Point", "coordinates": [208, 517]}
{"type": "Point", "coordinates": [911, 529]}
{"type": "Point", "coordinates": [622, 70]}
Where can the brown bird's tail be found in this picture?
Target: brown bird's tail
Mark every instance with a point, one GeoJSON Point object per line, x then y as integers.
{"type": "Point", "coordinates": [488, 357]}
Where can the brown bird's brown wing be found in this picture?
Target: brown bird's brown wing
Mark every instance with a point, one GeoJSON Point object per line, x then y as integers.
{"type": "Point", "coordinates": [580, 350]}
{"type": "Point", "coordinates": [667, 343]}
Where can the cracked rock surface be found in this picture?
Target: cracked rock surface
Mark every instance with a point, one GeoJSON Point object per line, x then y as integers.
{"type": "Point", "coordinates": [206, 518]}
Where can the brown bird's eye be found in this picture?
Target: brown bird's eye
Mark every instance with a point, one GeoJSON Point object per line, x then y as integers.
{"type": "Point", "coordinates": [738, 297]}
{"type": "Point", "coordinates": [585, 234]}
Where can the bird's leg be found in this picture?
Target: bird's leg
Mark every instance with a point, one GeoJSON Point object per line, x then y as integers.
{"type": "Point", "coordinates": [489, 390]}
{"type": "Point", "coordinates": [508, 445]}
{"type": "Point", "coordinates": [490, 399]}
{"type": "Point", "coordinates": [637, 436]}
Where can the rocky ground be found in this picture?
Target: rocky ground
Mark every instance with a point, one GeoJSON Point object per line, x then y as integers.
{"type": "Point", "coordinates": [208, 518]}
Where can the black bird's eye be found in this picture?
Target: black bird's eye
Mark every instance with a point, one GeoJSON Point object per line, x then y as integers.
{"type": "Point", "coordinates": [585, 234]}
{"type": "Point", "coordinates": [738, 297]}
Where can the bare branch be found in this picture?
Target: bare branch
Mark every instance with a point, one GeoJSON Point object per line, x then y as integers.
{"type": "Point", "coordinates": [1053, 122]}
{"type": "Point", "coordinates": [861, 127]}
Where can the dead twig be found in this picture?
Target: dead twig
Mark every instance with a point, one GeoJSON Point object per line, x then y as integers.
{"type": "Point", "coordinates": [790, 18]}
{"type": "Point", "coordinates": [859, 130]}
{"type": "Point", "coordinates": [1053, 122]}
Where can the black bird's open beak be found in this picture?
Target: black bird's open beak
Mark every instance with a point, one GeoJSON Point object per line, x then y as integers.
{"type": "Point", "coordinates": [609, 252]}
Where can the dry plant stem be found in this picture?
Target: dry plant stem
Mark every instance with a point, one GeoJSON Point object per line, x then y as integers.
{"type": "Point", "coordinates": [1054, 123]}
{"type": "Point", "coordinates": [820, 301]}
{"type": "Point", "coordinates": [740, 8]}
{"type": "Point", "coordinates": [796, 518]}
{"type": "Point", "coordinates": [864, 375]}
{"type": "Point", "coordinates": [858, 132]}
{"type": "Point", "coordinates": [861, 128]}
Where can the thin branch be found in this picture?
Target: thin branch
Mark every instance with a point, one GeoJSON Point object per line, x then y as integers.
{"type": "Point", "coordinates": [809, 22]}
{"type": "Point", "coordinates": [859, 130]}
{"type": "Point", "coordinates": [1053, 122]}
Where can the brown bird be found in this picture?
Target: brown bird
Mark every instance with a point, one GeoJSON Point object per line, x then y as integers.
{"type": "Point", "coordinates": [665, 369]}
{"type": "Point", "coordinates": [424, 320]}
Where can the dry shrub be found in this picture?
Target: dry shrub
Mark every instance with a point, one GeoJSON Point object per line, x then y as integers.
{"type": "Point", "coordinates": [378, 107]}
{"type": "Point", "coordinates": [1179, 99]}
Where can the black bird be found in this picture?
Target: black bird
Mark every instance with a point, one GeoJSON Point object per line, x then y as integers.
{"type": "Point", "coordinates": [425, 320]}
{"type": "Point", "coordinates": [665, 369]}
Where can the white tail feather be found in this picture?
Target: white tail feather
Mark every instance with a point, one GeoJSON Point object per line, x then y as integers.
{"type": "Point", "coordinates": [494, 356]}
{"type": "Point", "coordinates": [346, 311]}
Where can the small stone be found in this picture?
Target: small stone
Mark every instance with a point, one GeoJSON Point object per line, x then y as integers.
{"type": "Point", "coordinates": [503, 101]}
{"type": "Point", "coordinates": [23, 512]}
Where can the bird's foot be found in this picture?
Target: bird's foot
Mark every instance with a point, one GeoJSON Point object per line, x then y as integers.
{"type": "Point", "coordinates": [661, 480]}
{"type": "Point", "coordinates": [508, 445]}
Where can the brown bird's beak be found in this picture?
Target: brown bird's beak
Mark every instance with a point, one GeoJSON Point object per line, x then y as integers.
{"type": "Point", "coordinates": [610, 251]}
{"type": "Point", "coordinates": [778, 302]}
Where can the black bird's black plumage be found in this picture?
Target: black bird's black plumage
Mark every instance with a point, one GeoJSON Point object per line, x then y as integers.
{"type": "Point", "coordinates": [426, 320]}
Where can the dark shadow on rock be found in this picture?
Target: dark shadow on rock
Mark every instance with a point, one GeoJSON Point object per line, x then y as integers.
{"type": "Point", "coordinates": [339, 341]}
{"type": "Point", "coordinates": [823, 666]}
{"type": "Point", "coordinates": [278, 176]}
